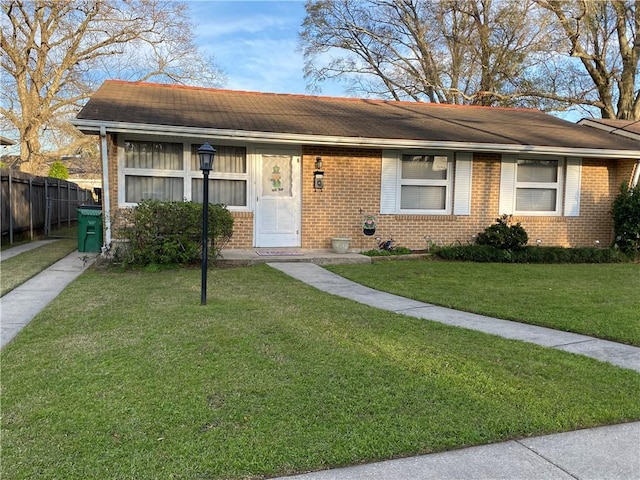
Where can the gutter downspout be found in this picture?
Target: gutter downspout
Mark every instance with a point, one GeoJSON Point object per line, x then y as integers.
{"type": "Point", "coordinates": [106, 203]}
{"type": "Point", "coordinates": [636, 175]}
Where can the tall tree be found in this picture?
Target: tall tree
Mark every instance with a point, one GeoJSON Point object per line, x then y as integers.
{"type": "Point", "coordinates": [605, 37]}
{"type": "Point", "coordinates": [487, 52]}
{"type": "Point", "coordinates": [445, 51]}
{"type": "Point", "coordinates": [54, 53]}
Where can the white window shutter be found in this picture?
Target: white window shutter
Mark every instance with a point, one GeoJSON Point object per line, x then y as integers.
{"type": "Point", "coordinates": [389, 182]}
{"type": "Point", "coordinates": [572, 189]}
{"type": "Point", "coordinates": [507, 184]}
{"type": "Point", "coordinates": [462, 192]}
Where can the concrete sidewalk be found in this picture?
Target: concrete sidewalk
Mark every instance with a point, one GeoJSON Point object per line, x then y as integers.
{"type": "Point", "coordinates": [25, 247]}
{"type": "Point", "coordinates": [605, 453]}
{"type": "Point", "coordinates": [618, 354]}
{"type": "Point", "coordinates": [21, 305]}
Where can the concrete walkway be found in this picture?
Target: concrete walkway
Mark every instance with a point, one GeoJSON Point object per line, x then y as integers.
{"type": "Point", "coordinates": [618, 354]}
{"type": "Point", "coordinates": [611, 452]}
{"type": "Point", "coordinates": [22, 304]}
{"type": "Point", "coordinates": [605, 453]}
{"type": "Point", "coordinates": [25, 247]}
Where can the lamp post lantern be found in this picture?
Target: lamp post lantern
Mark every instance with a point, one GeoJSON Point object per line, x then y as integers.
{"type": "Point", "coordinates": [206, 153]}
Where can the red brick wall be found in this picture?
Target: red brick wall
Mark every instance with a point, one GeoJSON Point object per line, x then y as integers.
{"type": "Point", "coordinates": [352, 185]}
{"type": "Point", "coordinates": [352, 191]}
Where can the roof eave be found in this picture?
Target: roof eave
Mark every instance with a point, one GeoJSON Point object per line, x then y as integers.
{"type": "Point", "coordinates": [609, 129]}
{"type": "Point", "coordinates": [93, 127]}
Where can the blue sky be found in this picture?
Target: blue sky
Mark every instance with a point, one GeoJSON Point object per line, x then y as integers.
{"type": "Point", "coordinates": [255, 43]}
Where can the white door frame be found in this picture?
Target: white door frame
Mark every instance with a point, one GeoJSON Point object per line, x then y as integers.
{"type": "Point", "coordinates": [290, 235]}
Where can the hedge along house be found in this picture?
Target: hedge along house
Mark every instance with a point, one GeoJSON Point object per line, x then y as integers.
{"type": "Point", "coordinates": [424, 172]}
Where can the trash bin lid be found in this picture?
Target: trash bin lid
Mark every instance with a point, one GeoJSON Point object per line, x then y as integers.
{"type": "Point", "coordinates": [90, 210]}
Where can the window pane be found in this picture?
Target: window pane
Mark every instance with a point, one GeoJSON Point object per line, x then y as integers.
{"type": "Point", "coordinates": [545, 171]}
{"type": "Point", "coordinates": [536, 199]}
{"type": "Point", "coordinates": [227, 159]}
{"type": "Point", "coordinates": [423, 167]}
{"type": "Point", "coordinates": [153, 188]}
{"type": "Point", "coordinates": [228, 192]}
{"type": "Point", "coordinates": [422, 198]}
{"type": "Point", "coordinates": [156, 155]}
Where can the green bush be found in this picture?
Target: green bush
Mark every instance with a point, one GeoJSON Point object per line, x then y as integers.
{"type": "Point", "coordinates": [59, 170]}
{"type": "Point", "coordinates": [626, 220]}
{"type": "Point", "coordinates": [504, 235]}
{"type": "Point", "coordinates": [488, 253]}
{"type": "Point", "coordinates": [170, 233]}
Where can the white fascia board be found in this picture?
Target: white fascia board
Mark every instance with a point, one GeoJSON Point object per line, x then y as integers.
{"type": "Point", "coordinates": [310, 139]}
{"type": "Point", "coordinates": [609, 129]}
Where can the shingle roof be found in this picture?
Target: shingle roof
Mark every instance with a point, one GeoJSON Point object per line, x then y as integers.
{"type": "Point", "coordinates": [155, 104]}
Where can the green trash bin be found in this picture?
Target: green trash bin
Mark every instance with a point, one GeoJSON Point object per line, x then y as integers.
{"type": "Point", "coordinates": [89, 228]}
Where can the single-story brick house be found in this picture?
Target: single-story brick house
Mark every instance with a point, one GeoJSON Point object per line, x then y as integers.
{"type": "Point", "coordinates": [424, 172]}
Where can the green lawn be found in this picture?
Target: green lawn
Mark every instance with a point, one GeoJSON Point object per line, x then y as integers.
{"type": "Point", "coordinates": [599, 300]}
{"type": "Point", "coordinates": [17, 270]}
{"type": "Point", "coordinates": [125, 375]}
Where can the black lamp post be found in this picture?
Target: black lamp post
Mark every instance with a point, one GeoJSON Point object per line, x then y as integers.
{"type": "Point", "coordinates": [206, 153]}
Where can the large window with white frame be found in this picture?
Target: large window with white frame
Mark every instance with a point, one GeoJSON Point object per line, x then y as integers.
{"type": "Point", "coordinates": [538, 186]}
{"type": "Point", "coordinates": [170, 171]}
{"type": "Point", "coordinates": [153, 171]}
{"type": "Point", "coordinates": [228, 181]}
{"type": "Point", "coordinates": [425, 183]}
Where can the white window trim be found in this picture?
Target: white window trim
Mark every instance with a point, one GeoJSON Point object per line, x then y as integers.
{"type": "Point", "coordinates": [213, 175]}
{"type": "Point", "coordinates": [185, 173]}
{"type": "Point", "coordinates": [447, 183]}
{"type": "Point", "coordinates": [509, 186]}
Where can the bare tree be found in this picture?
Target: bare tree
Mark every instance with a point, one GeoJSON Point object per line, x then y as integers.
{"type": "Point", "coordinates": [605, 37]}
{"type": "Point", "coordinates": [53, 54]}
{"type": "Point", "coordinates": [445, 51]}
{"type": "Point", "coordinates": [487, 52]}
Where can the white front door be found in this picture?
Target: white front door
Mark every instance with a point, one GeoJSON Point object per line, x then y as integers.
{"type": "Point", "coordinates": [277, 219]}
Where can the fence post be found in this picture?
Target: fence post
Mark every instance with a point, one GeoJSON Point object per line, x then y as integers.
{"type": "Point", "coordinates": [68, 205]}
{"type": "Point", "coordinates": [58, 204]}
{"type": "Point", "coordinates": [31, 208]}
{"type": "Point", "coordinates": [47, 210]}
{"type": "Point", "coordinates": [10, 209]}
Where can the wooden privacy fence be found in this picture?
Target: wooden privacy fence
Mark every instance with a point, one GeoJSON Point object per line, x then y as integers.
{"type": "Point", "coordinates": [38, 204]}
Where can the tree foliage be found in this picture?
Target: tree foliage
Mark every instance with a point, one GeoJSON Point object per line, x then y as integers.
{"type": "Point", "coordinates": [626, 219]}
{"type": "Point", "coordinates": [58, 170]}
{"type": "Point", "coordinates": [547, 54]}
{"type": "Point", "coordinates": [54, 54]}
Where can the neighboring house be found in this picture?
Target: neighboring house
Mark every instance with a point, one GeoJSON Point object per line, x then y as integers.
{"type": "Point", "coordinates": [424, 171]}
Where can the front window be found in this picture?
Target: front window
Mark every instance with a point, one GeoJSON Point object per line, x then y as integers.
{"type": "Point", "coordinates": [424, 183]}
{"type": "Point", "coordinates": [537, 186]}
{"type": "Point", "coordinates": [228, 180]}
{"type": "Point", "coordinates": [170, 171]}
{"type": "Point", "coordinates": [153, 171]}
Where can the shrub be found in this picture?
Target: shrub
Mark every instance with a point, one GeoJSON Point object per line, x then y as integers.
{"type": "Point", "coordinates": [504, 235]}
{"type": "Point", "coordinates": [59, 170]}
{"type": "Point", "coordinates": [170, 233]}
{"type": "Point", "coordinates": [488, 253]}
{"type": "Point", "coordinates": [626, 220]}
